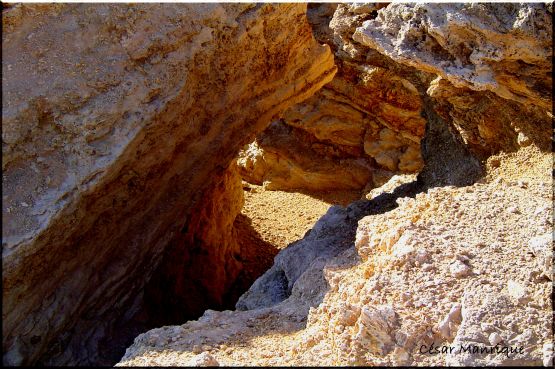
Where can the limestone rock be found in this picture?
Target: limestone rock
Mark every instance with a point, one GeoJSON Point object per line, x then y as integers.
{"type": "Point", "coordinates": [204, 359]}
{"type": "Point", "coordinates": [488, 123]}
{"type": "Point", "coordinates": [449, 325]}
{"type": "Point", "coordinates": [484, 305]}
{"type": "Point", "coordinates": [284, 158]}
{"type": "Point", "coordinates": [112, 141]}
{"type": "Point", "coordinates": [487, 47]}
{"type": "Point", "coordinates": [542, 247]}
{"type": "Point", "coordinates": [338, 297]}
{"type": "Point", "coordinates": [480, 103]}
{"type": "Point", "coordinates": [391, 59]}
{"type": "Point", "coordinates": [368, 114]}
{"type": "Point", "coordinates": [494, 339]}
{"type": "Point", "coordinates": [459, 269]}
{"type": "Point", "coordinates": [548, 354]}
{"type": "Point", "coordinates": [374, 329]}
{"type": "Point", "coordinates": [129, 140]}
{"type": "Point", "coordinates": [517, 291]}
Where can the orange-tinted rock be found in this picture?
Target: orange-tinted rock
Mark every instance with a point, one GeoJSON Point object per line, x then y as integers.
{"type": "Point", "coordinates": [203, 261]}
{"type": "Point", "coordinates": [115, 121]}
{"type": "Point", "coordinates": [289, 158]}
{"type": "Point", "coordinates": [367, 118]}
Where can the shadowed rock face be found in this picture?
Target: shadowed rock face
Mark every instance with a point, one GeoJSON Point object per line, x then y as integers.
{"type": "Point", "coordinates": [203, 262]}
{"type": "Point", "coordinates": [116, 119]}
{"type": "Point", "coordinates": [476, 101]}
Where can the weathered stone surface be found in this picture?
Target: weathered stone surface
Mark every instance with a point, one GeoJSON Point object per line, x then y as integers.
{"type": "Point", "coordinates": [374, 329]}
{"type": "Point", "coordinates": [488, 123]}
{"type": "Point", "coordinates": [366, 114]}
{"type": "Point", "coordinates": [503, 48]}
{"type": "Point", "coordinates": [465, 122]}
{"type": "Point", "coordinates": [542, 248]}
{"type": "Point", "coordinates": [116, 118]}
{"type": "Point", "coordinates": [373, 108]}
{"type": "Point", "coordinates": [372, 282]}
{"type": "Point", "coordinates": [288, 158]}
{"type": "Point", "coordinates": [482, 307]}
{"type": "Point", "coordinates": [358, 301]}
{"type": "Point", "coordinates": [202, 263]}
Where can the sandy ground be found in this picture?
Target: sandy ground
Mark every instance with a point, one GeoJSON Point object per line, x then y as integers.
{"type": "Point", "coordinates": [281, 217]}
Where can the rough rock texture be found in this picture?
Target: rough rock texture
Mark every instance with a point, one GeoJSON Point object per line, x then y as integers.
{"type": "Point", "coordinates": [466, 122]}
{"type": "Point", "coordinates": [483, 69]}
{"type": "Point", "coordinates": [115, 120]}
{"type": "Point", "coordinates": [492, 62]}
{"type": "Point", "coordinates": [209, 257]}
{"type": "Point", "coordinates": [487, 123]}
{"type": "Point", "coordinates": [384, 296]}
{"type": "Point", "coordinates": [366, 120]}
{"type": "Point", "coordinates": [419, 263]}
{"type": "Point", "coordinates": [503, 48]}
{"type": "Point", "coordinates": [284, 157]}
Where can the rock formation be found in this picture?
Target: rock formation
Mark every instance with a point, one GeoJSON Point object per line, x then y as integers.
{"type": "Point", "coordinates": [121, 128]}
{"type": "Point", "coordinates": [368, 119]}
{"type": "Point", "coordinates": [209, 254]}
{"type": "Point", "coordinates": [116, 121]}
{"type": "Point", "coordinates": [440, 261]}
{"type": "Point", "coordinates": [365, 123]}
{"type": "Point", "coordinates": [478, 46]}
{"type": "Point", "coordinates": [486, 57]}
{"type": "Point", "coordinates": [379, 296]}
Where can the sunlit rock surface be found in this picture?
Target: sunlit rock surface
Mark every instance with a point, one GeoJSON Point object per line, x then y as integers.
{"type": "Point", "coordinates": [115, 119]}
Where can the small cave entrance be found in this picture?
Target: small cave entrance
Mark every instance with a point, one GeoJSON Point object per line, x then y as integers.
{"type": "Point", "coordinates": [270, 196]}
{"type": "Point", "coordinates": [209, 264]}
{"type": "Point", "coordinates": [278, 188]}
{"type": "Point", "coordinates": [228, 241]}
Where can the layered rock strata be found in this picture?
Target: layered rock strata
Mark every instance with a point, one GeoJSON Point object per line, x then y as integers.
{"type": "Point", "coordinates": [504, 49]}
{"type": "Point", "coordinates": [383, 280]}
{"type": "Point", "coordinates": [116, 121]}
{"type": "Point", "coordinates": [367, 120]}
{"type": "Point", "coordinates": [402, 65]}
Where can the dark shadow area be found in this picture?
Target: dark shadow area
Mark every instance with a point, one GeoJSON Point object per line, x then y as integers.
{"type": "Point", "coordinates": [256, 256]}
{"type": "Point", "coordinates": [273, 320]}
{"type": "Point", "coordinates": [447, 162]}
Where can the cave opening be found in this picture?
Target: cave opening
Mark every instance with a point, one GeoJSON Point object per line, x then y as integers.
{"type": "Point", "coordinates": [263, 202]}
{"type": "Point", "coordinates": [225, 245]}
